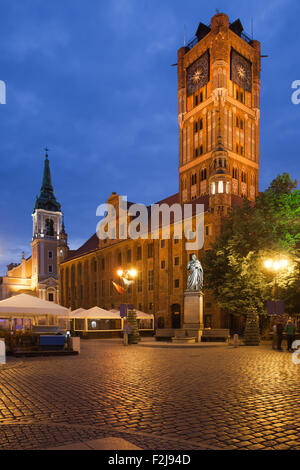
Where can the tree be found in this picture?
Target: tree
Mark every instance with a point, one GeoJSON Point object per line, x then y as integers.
{"type": "Point", "coordinates": [233, 267]}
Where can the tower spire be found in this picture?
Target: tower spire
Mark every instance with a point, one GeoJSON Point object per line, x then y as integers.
{"type": "Point", "coordinates": [47, 199]}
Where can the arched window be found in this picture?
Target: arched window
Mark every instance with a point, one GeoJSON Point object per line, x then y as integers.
{"type": "Point", "coordinates": [227, 187]}
{"type": "Point", "coordinates": [213, 188]}
{"type": "Point", "coordinates": [220, 187]}
{"type": "Point", "coordinates": [49, 227]}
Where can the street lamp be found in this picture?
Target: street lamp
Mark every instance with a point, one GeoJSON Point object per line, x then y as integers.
{"type": "Point", "coordinates": [276, 266]}
{"type": "Point", "coordinates": [127, 278]}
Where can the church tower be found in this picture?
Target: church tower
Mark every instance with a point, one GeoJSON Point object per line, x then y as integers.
{"type": "Point", "coordinates": [218, 112]}
{"type": "Point", "coordinates": [49, 242]}
{"type": "Point", "coordinates": [38, 274]}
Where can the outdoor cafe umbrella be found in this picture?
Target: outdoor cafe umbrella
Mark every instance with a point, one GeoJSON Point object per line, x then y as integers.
{"type": "Point", "coordinates": [25, 305]}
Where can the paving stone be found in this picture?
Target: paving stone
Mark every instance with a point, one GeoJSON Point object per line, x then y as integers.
{"type": "Point", "coordinates": [245, 398]}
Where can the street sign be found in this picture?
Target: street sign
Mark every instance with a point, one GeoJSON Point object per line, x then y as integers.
{"type": "Point", "coordinates": [123, 310]}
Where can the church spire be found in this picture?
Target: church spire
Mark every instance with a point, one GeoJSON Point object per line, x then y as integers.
{"type": "Point", "coordinates": [47, 199]}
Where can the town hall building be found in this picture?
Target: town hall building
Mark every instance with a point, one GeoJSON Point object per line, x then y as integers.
{"type": "Point", "coordinates": [218, 115]}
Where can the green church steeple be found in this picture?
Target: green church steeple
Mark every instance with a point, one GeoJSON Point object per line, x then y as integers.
{"type": "Point", "coordinates": [47, 199]}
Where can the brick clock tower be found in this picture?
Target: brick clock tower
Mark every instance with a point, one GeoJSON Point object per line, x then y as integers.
{"type": "Point", "coordinates": [219, 110]}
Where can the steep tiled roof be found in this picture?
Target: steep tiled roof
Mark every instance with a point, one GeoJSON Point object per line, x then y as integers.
{"type": "Point", "coordinates": [92, 243]}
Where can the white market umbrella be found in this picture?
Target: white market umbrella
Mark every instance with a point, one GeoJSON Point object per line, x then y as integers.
{"type": "Point", "coordinates": [139, 315]}
{"type": "Point", "coordinates": [100, 314]}
{"type": "Point", "coordinates": [28, 305]}
{"type": "Point", "coordinates": [78, 313]}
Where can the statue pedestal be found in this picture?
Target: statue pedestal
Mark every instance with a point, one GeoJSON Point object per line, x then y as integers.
{"type": "Point", "coordinates": [193, 314]}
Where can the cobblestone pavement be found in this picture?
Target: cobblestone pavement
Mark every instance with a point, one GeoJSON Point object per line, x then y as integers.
{"type": "Point", "coordinates": [226, 398]}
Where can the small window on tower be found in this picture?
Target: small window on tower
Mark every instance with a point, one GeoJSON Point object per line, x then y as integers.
{"type": "Point", "coordinates": [50, 269]}
{"type": "Point", "coordinates": [50, 254]}
{"type": "Point", "coordinates": [49, 227]}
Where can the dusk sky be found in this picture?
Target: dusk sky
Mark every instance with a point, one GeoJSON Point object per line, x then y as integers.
{"type": "Point", "coordinates": [93, 81]}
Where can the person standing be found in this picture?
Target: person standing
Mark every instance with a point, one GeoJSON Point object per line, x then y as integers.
{"type": "Point", "coordinates": [274, 336]}
{"type": "Point", "coordinates": [290, 331]}
{"type": "Point", "coordinates": [279, 332]}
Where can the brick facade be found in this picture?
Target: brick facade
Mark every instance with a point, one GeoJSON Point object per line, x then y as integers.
{"type": "Point", "coordinates": [218, 115]}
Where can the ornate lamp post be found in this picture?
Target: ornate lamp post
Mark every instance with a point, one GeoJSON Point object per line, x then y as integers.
{"type": "Point", "coordinates": [127, 279]}
{"type": "Point", "coordinates": [275, 266]}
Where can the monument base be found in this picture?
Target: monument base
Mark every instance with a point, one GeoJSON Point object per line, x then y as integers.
{"type": "Point", "coordinates": [193, 318]}
{"type": "Point", "coordinates": [182, 336]}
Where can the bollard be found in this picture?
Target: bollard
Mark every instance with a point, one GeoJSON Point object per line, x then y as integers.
{"type": "Point", "coordinates": [235, 340]}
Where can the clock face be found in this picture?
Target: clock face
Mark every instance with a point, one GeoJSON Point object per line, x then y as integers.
{"type": "Point", "coordinates": [241, 73]}
{"type": "Point", "coordinates": [198, 74]}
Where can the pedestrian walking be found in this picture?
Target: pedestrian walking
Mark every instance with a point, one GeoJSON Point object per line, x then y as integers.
{"type": "Point", "coordinates": [290, 331]}
{"type": "Point", "coordinates": [274, 337]}
{"type": "Point", "coordinates": [279, 333]}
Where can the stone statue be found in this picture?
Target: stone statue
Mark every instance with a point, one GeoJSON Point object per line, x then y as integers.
{"type": "Point", "coordinates": [195, 280]}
